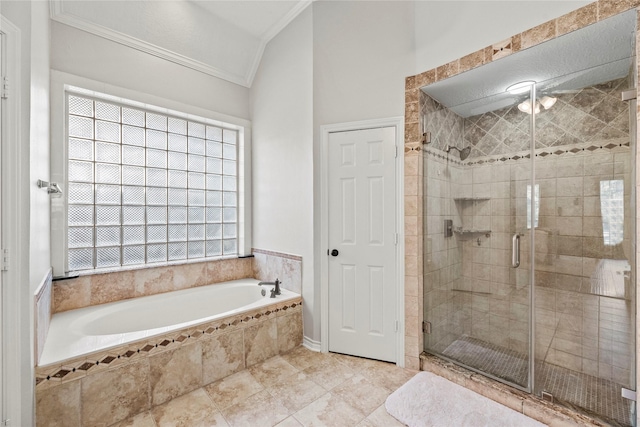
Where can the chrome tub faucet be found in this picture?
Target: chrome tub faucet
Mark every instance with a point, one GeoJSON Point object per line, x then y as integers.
{"type": "Point", "coordinates": [276, 287]}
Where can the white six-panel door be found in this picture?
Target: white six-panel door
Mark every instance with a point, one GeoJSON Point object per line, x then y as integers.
{"type": "Point", "coordinates": [362, 240]}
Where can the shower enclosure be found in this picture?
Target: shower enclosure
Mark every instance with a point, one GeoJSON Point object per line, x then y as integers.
{"type": "Point", "coordinates": [529, 219]}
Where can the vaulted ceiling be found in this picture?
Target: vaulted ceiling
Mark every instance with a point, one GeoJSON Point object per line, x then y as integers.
{"type": "Point", "coordinates": [225, 39]}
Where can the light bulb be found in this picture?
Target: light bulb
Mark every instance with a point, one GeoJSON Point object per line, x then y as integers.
{"type": "Point", "coordinates": [525, 107]}
{"type": "Point", "coordinates": [548, 101]}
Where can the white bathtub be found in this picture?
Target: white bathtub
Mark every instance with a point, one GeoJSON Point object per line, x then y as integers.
{"type": "Point", "coordinates": [91, 329]}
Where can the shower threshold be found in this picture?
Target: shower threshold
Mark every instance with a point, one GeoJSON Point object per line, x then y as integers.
{"type": "Point", "coordinates": [598, 398]}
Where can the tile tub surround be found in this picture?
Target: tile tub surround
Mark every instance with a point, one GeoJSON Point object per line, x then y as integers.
{"type": "Point", "coordinates": [101, 288]}
{"type": "Point", "coordinates": [107, 387]}
{"type": "Point", "coordinates": [43, 305]}
{"type": "Point", "coordinates": [269, 265]}
{"type": "Point", "coordinates": [298, 388]}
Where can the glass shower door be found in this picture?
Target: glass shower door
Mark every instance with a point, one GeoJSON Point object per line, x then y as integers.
{"type": "Point", "coordinates": [585, 256]}
{"type": "Point", "coordinates": [476, 301]}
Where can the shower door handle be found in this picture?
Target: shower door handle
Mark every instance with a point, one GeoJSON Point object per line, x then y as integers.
{"type": "Point", "coordinates": [515, 250]}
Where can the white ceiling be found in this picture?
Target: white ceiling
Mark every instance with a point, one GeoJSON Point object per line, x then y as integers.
{"type": "Point", "coordinates": [257, 18]}
{"type": "Point", "coordinates": [222, 38]}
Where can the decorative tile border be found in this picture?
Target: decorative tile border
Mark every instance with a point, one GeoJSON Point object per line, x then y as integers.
{"type": "Point", "coordinates": [72, 369]}
{"type": "Point", "coordinates": [574, 149]}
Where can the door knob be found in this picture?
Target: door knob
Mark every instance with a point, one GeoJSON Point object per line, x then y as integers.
{"type": "Point", "coordinates": [334, 252]}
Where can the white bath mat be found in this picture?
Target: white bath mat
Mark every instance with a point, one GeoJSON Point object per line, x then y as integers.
{"type": "Point", "coordinates": [428, 400]}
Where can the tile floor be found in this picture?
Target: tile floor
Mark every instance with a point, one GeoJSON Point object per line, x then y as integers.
{"type": "Point", "coordinates": [597, 396]}
{"type": "Point", "coordinates": [300, 388]}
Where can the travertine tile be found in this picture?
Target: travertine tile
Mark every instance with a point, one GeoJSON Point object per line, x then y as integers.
{"type": "Point", "coordinates": [150, 281]}
{"type": "Point", "coordinates": [447, 70]}
{"type": "Point", "coordinates": [387, 375]}
{"type": "Point", "coordinates": [261, 409]}
{"type": "Point", "coordinates": [329, 373]}
{"type": "Point", "coordinates": [472, 60]}
{"type": "Point", "coordinates": [361, 394]}
{"type": "Point", "coordinates": [301, 357]}
{"type": "Point", "coordinates": [228, 269]}
{"type": "Point", "coordinates": [222, 355]}
{"type": "Point", "coordinates": [233, 389]}
{"type": "Point", "coordinates": [272, 371]}
{"type": "Point", "coordinates": [289, 331]}
{"type": "Point", "coordinates": [381, 418]}
{"type": "Point", "coordinates": [271, 266]}
{"type": "Point", "coordinates": [71, 294]}
{"type": "Point", "coordinates": [296, 391]}
{"type": "Point", "coordinates": [190, 275]}
{"type": "Point", "coordinates": [260, 342]}
{"type": "Point", "coordinates": [111, 287]}
{"type": "Point", "coordinates": [289, 422]}
{"type": "Point", "coordinates": [577, 19]}
{"type": "Point", "coordinates": [59, 406]}
{"type": "Point", "coordinates": [115, 395]}
{"type": "Point", "coordinates": [607, 8]}
{"type": "Point", "coordinates": [329, 410]}
{"type": "Point", "coordinates": [175, 372]}
{"type": "Point", "coordinates": [144, 419]}
{"type": "Point", "coordinates": [194, 409]}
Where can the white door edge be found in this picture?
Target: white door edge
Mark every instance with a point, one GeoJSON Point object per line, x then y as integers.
{"type": "Point", "coordinates": [15, 386]}
{"type": "Point", "coordinates": [325, 131]}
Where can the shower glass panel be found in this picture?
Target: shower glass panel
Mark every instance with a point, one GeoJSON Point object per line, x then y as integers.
{"type": "Point", "coordinates": [476, 303]}
{"type": "Point", "coordinates": [534, 285]}
{"type": "Point", "coordinates": [584, 244]}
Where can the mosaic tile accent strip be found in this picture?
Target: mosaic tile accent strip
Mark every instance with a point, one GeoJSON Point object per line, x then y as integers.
{"type": "Point", "coordinates": [48, 376]}
{"type": "Point", "coordinates": [617, 146]}
{"type": "Point", "coordinates": [574, 389]}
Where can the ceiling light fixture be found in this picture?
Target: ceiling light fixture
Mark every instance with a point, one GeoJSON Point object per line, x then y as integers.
{"type": "Point", "coordinates": [520, 87]}
{"type": "Point", "coordinates": [548, 101]}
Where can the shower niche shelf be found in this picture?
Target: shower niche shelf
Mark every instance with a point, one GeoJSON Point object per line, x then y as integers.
{"type": "Point", "coordinates": [471, 199]}
{"type": "Point", "coordinates": [471, 231]}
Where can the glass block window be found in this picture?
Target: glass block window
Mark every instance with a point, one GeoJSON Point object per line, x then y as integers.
{"type": "Point", "coordinates": [145, 187]}
{"type": "Point", "coordinates": [612, 208]}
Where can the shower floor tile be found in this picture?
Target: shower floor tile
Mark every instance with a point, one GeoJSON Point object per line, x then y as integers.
{"type": "Point", "coordinates": [596, 396]}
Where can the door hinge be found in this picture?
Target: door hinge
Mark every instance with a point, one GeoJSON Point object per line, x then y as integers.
{"type": "Point", "coordinates": [426, 327]}
{"type": "Point", "coordinates": [395, 239]}
{"type": "Point", "coordinates": [5, 88]}
{"type": "Point", "coordinates": [396, 151]}
{"type": "Point", "coordinates": [628, 95]}
{"type": "Point", "coordinates": [397, 326]}
{"type": "Point", "coordinates": [4, 260]}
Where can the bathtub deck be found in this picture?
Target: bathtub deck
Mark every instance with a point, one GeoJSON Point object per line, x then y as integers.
{"type": "Point", "coordinates": [299, 388]}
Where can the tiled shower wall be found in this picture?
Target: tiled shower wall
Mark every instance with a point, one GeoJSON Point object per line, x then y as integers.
{"type": "Point", "coordinates": [469, 287]}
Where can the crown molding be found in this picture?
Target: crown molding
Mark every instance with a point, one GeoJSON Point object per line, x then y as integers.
{"type": "Point", "coordinates": [58, 14]}
{"type": "Point", "coordinates": [271, 33]}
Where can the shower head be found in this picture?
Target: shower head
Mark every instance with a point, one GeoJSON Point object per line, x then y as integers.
{"type": "Point", "coordinates": [464, 153]}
